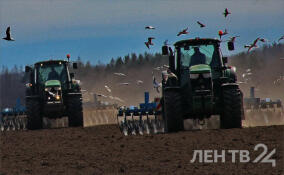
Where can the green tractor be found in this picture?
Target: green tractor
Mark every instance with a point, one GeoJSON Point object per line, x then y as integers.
{"type": "Point", "coordinates": [199, 84]}
{"type": "Point", "coordinates": [52, 92]}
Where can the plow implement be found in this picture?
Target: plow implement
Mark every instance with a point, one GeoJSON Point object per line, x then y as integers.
{"type": "Point", "coordinates": [13, 119]}
{"type": "Point", "coordinates": [262, 112]}
{"type": "Point", "coordinates": [143, 120]}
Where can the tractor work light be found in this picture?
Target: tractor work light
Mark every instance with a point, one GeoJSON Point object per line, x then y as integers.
{"type": "Point", "coordinates": [57, 97]}
{"type": "Point", "coordinates": [193, 76]}
{"type": "Point", "coordinates": [206, 75]}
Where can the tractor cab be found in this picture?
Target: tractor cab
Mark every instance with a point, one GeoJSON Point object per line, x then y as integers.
{"type": "Point", "coordinates": [202, 86]}
{"type": "Point", "coordinates": [195, 57]}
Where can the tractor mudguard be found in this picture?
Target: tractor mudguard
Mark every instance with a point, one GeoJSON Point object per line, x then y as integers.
{"type": "Point", "coordinates": [230, 85]}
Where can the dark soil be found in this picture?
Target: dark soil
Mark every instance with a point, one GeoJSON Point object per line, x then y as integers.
{"type": "Point", "coordinates": [104, 150]}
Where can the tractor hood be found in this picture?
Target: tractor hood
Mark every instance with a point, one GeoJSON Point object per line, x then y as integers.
{"type": "Point", "coordinates": [200, 68]}
{"type": "Point", "coordinates": [52, 83]}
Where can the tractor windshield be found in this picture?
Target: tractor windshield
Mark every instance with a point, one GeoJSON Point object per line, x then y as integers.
{"type": "Point", "coordinates": [54, 71]}
{"type": "Point", "coordinates": [191, 55]}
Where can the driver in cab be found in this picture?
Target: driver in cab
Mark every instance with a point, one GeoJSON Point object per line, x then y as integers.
{"type": "Point", "coordinates": [53, 75]}
{"type": "Point", "coordinates": [197, 57]}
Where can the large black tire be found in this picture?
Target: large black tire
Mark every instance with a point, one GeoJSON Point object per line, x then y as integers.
{"type": "Point", "coordinates": [75, 111]}
{"type": "Point", "coordinates": [34, 118]}
{"type": "Point", "coordinates": [232, 108]}
{"type": "Point", "coordinates": [172, 111]}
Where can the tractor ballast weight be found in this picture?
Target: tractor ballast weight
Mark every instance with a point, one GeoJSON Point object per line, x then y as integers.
{"type": "Point", "coordinates": [52, 92]}
{"type": "Point", "coordinates": [203, 86]}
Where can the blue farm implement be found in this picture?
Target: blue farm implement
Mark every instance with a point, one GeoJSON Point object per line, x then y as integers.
{"type": "Point", "coordinates": [13, 118]}
{"type": "Point", "coordinates": [262, 111]}
{"type": "Point", "coordinates": [143, 119]}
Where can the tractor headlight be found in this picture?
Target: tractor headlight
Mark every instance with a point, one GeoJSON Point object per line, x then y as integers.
{"type": "Point", "coordinates": [206, 75]}
{"type": "Point", "coordinates": [57, 88]}
{"type": "Point", "coordinates": [57, 97]}
{"type": "Point", "coordinates": [193, 76]}
{"type": "Point", "coordinates": [47, 89]}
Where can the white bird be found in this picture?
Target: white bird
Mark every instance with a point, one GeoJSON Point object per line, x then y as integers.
{"type": "Point", "coordinates": [139, 82]}
{"type": "Point", "coordinates": [118, 99]}
{"type": "Point", "coordinates": [101, 95]}
{"type": "Point", "coordinates": [123, 83]}
{"type": "Point", "coordinates": [156, 84]}
{"type": "Point", "coordinates": [107, 88]}
{"type": "Point", "coordinates": [248, 70]}
{"type": "Point", "coordinates": [166, 66]}
{"type": "Point", "coordinates": [157, 68]}
{"type": "Point", "coordinates": [119, 74]}
{"type": "Point", "coordinates": [8, 35]}
{"type": "Point", "coordinates": [149, 27]}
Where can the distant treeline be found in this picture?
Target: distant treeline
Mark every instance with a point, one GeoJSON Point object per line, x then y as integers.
{"type": "Point", "coordinates": [264, 62]}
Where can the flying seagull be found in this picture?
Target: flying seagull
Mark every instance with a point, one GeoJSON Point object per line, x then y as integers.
{"type": "Point", "coordinates": [139, 82]}
{"type": "Point", "coordinates": [149, 27]}
{"type": "Point", "coordinates": [119, 74]}
{"type": "Point", "coordinates": [107, 88]}
{"type": "Point", "coordinates": [251, 46]}
{"type": "Point", "coordinates": [123, 83]}
{"type": "Point", "coordinates": [149, 42]}
{"type": "Point", "coordinates": [226, 12]}
{"type": "Point", "coordinates": [200, 24]}
{"type": "Point", "coordinates": [8, 35]}
{"type": "Point", "coordinates": [101, 95]}
{"type": "Point", "coordinates": [183, 32]}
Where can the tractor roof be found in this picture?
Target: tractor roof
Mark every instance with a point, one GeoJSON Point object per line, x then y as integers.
{"type": "Point", "coordinates": [51, 62]}
{"type": "Point", "coordinates": [197, 41]}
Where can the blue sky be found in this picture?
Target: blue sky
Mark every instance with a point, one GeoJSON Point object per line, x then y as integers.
{"type": "Point", "coordinates": [99, 30]}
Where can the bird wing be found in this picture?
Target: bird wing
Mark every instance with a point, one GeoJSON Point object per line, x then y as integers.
{"type": "Point", "coordinates": [255, 41]}
{"type": "Point", "coordinates": [150, 39]}
{"type": "Point", "coordinates": [201, 25]}
{"type": "Point", "coordinates": [281, 38]}
{"type": "Point", "coordinates": [8, 32]}
{"type": "Point", "coordinates": [147, 44]}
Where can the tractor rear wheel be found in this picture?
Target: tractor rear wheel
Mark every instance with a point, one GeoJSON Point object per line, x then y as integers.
{"type": "Point", "coordinates": [33, 114]}
{"type": "Point", "coordinates": [75, 111]}
{"type": "Point", "coordinates": [172, 111]}
{"type": "Point", "coordinates": [231, 116]}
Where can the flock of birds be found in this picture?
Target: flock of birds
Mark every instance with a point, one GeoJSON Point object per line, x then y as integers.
{"type": "Point", "coordinates": [221, 33]}
{"type": "Point", "coordinates": [184, 31]}
{"type": "Point", "coordinates": [156, 85]}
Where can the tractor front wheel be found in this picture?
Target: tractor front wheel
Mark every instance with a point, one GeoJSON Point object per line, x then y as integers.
{"type": "Point", "coordinates": [231, 116]}
{"type": "Point", "coordinates": [172, 111]}
{"type": "Point", "coordinates": [33, 114]}
{"type": "Point", "coordinates": [75, 111]}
